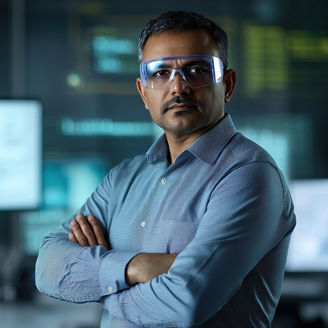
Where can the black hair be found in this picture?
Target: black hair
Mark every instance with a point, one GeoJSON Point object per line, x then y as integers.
{"type": "Point", "coordinates": [182, 21]}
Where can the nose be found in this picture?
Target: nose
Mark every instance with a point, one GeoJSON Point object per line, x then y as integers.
{"type": "Point", "coordinates": [178, 83]}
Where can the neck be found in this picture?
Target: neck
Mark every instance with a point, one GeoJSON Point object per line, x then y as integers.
{"type": "Point", "coordinates": [178, 143]}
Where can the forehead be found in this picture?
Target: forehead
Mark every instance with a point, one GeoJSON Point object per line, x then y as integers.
{"type": "Point", "coordinates": [172, 43]}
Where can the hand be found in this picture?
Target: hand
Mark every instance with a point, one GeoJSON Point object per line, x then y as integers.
{"type": "Point", "coordinates": [147, 266]}
{"type": "Point", "coordinates": [87, 231]}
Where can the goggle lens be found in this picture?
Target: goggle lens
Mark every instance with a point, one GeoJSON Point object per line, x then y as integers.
{"type": "Point", "coordinates": [197, 71]}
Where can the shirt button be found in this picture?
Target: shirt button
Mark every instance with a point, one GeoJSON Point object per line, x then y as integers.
{"type": "Point", "coordinates": [110, 289]}
{"type": "Point", "coordinates": [163, 181]}
{"type": "Point", "coordinates": [143, 224]}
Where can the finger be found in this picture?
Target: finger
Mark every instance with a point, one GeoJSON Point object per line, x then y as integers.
{"type": "Point", "coordinates": [99, 235]}
{"type": "Point", "coordinates": [86, 229]}
{"type": "Point", "coordinates": [79, 235]}
{"type": "Point", "coordinates": [72, 238]}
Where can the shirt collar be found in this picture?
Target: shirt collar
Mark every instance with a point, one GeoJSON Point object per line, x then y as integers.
{"type": "Point", "coordinates": [158, 151]}
{"type": "Point", "coordinates": [206, 148]}
{"type": "Point", "coordinates": [209, 145]}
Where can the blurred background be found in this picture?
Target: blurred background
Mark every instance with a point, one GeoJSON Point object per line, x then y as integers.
{"type": "Point", "coordinates": [69, 111]}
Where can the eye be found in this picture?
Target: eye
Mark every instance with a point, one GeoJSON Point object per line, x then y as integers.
{"type": "Point", "coordinates": [161, 73]}
{"type": "Point", "coordinates": [197, 69]}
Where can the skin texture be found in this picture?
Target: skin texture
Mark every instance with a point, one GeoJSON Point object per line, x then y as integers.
{"type": "Point", "coordinates": [87, 231]}
{"type": "Point", "coordinates": [182, 123]}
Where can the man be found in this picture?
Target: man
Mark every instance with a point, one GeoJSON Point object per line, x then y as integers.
{"type": "Point", "coordinates": [199, 226]}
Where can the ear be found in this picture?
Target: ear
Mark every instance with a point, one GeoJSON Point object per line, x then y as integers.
{"type": "Point", "coordinates": [142, 91]}
{"type": "Point", "coordinates": [229, 81]}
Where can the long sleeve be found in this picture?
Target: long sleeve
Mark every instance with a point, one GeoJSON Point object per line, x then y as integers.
{"type": "Point", "coordinates": [247, 215]}
{"type": "Point", "coordinates": [70, 272]}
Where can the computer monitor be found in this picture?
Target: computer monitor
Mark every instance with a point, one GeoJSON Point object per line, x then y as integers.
{"type": "Point", "coordinates": [308, 251]}
{"type": "Point", "coordinates": [20, 154]}
{"type": "Point", "coordinates": [68, 182]}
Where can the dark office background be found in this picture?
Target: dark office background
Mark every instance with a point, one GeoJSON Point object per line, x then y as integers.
{"type": "Point", "coordinates": [79, 59]}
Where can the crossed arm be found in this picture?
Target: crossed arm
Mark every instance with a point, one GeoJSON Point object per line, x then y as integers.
{"type": "Point", "coordinates": [86, 231]}
{"type": "Point", "coordinates": [199, 281]}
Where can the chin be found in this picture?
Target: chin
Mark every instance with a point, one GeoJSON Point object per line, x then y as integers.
{"type": "Point", "coordinates": [182, 129]}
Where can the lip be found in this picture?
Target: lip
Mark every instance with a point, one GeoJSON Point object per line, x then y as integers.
{"type": "Point", "coordinates": [182, 107]}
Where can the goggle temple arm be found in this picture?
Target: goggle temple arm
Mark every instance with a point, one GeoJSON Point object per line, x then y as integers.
{"type": "Point", "coordinates": [217, 69]}
{"type": "Point", "coordinates": [143, 75]}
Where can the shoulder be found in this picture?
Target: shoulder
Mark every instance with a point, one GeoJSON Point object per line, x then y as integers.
{"type": "Point", "coordinates": [128, 167]}
{"type": "Point", "coordinates": [242, 151]}
{"type": "Point", "coordinates": [244, 159]}
{"type": "Point", "coordinates": [245, 150]}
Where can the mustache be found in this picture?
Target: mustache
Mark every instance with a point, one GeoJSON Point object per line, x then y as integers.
{"type": "Point", "coordinates": [180, 100]}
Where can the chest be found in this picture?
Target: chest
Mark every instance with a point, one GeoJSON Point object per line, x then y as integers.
{"type": "Point", "coordinates": [158, 210]}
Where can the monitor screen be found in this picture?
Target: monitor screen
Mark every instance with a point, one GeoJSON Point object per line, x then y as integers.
{"type": "Point", "coordinates": [68, 182]}
{"type": "Point", "coordinates": [308, 251]}
{"type": "Point", "coordinates": [20, 154]}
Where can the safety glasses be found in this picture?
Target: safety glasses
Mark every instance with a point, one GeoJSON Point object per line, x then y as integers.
{"type": "Point", "coordinates": [196, 70]}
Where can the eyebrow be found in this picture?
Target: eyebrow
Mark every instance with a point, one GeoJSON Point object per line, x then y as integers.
{"type": "Point", "coordinates": [151, 65]}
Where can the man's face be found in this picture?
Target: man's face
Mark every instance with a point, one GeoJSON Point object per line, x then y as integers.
{"type": "Point", "coordinates": [177, 108]}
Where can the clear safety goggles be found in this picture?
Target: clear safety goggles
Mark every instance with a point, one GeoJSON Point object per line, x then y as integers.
{"type": "Point", "coordinates": [196, 70]}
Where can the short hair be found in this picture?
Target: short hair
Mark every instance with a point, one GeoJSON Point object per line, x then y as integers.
{"type": "Point", "coordinates": [183, 21]}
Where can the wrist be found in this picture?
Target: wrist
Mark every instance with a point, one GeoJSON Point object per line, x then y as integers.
{"type": "Point", "coordinates": [146, 266]}
{"type": "Point", "coordinates": [131, 271]}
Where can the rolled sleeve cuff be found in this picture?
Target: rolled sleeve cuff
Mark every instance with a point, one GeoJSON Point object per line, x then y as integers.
{"type": "Point", "coordinates": [112, 271]}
